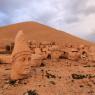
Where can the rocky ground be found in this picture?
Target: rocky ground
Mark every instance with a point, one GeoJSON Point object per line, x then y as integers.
{"type": "Point", "coordinates": [52, 77]}
{"type": "Point", "coordinates": [64, 69]}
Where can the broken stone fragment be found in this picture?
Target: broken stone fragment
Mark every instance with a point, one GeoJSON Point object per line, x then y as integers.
{"type": "Point", "coordinates": [73, 56]}
{"type": "Point", "coordinates": [91, 54]}
{"type": "Point", "coordinates": [38, 51]}
{"type": "Point", "coordinates": [55, 54]}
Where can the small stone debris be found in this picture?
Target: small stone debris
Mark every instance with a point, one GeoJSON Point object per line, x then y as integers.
{"type": "Point", "coordinates": [30, 92]}
{"type": "Point", "coordinates": [82, 76]}
{"type": "Point", "coordinates": [81, 86]}
{"type": "Point", "coordinates": [78, 76]}
{"type": "Point", "coordinates": [52, 82]}
{"type": "Point", "coordinates": [12, 82]}
{"type": "Point", "coordinates": [42, 65]}
{"type": "Point", "coordinates": [48, 75]}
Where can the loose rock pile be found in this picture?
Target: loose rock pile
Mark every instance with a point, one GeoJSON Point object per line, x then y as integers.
{"type": "Point", "coordinates": [28, 54]}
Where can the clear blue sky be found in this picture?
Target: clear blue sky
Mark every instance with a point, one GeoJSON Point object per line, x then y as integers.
{"type": "Point", "coordinates": [74, 16]}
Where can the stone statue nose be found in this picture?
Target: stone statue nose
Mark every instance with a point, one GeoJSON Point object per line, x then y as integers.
{"type": "Point", "coordinates": [27, 61]}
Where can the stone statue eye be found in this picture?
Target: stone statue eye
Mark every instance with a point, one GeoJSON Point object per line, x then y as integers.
{"type": "Point", "coordinates": [29, 58]}
{"type": "Point", "coordinates": [23, 59]}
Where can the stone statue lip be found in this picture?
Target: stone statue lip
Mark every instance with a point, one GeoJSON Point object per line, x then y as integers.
{"type": "Point", "coordinates": [26, 68]}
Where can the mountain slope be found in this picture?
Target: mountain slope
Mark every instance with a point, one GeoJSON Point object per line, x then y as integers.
{"type": "Point", "coordinates": [36, 31]}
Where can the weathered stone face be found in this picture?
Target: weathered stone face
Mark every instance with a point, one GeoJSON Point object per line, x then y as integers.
{"type": "Point", "coordinates": [21, 67]}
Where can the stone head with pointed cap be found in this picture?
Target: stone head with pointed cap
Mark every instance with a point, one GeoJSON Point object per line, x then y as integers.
{"type": "Point", "coordinates": [21, 57]}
